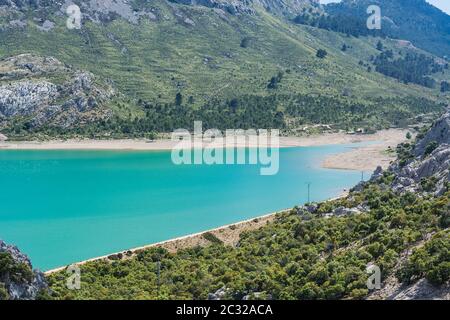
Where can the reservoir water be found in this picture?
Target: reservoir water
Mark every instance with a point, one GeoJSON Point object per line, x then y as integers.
{"type": "Point", "coordinates": [61, 207]}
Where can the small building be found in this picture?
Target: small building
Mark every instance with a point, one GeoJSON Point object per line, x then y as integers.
{"type": "Point", "coordinates": [3, 137]}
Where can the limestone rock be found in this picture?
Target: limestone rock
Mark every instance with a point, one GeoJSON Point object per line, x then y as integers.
{"type": "Point", "coordinates": [439, 133]}
{"type": "Point", "coordinates": [434, 167]}
{"type": "Point", "coordinates": [27, 92]}
{"type": "Point", "coordinates": [23, 289]}
{"type": "Point", "coordinates": [218, 295]}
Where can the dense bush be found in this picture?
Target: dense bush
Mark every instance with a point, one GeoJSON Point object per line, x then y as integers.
{"type": "Point", "coordinates": [413, 68]}
{"type": "Point", "coordinates": [291, 258]}
{"type": "Point", "coordinates": [431, 261]}
{"type": "Point", "coordinates": [274, 111]}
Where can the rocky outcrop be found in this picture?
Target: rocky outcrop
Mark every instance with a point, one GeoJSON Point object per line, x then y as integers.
{"type": "Point", "coordinates": [17, 280]}
{"type": "Point", "coordinates": [224, 293]}
{"type": "Point", "coordinates": [288, 7]}
{"type": "Point", "coordinates": [25, 91]}
{"type": "Point", "coordinates": [231, 6]}
{"type": "Point", "coordinates": [106, 10]}
{"type": "Point", "coordinates": [220, 294]}
{"type": "Point", "coordinates": [428, 171]}
{"type": "Point", "coordinates": [100, 11]}
{"type": "Point", "coordinates": [425, 175]}
{"type": "Point", "coordinates": [422, 290]}
{"type": "Point", "coordinates": [24, 97]}
{"type": "Point", "coordinates": [439, 134]}
{"type": "Point", "coordinates": [307, 211]}
{"type": "Point", "coordinates": [29, 65]}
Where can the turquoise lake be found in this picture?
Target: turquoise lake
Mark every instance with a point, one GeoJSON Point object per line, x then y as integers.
{"type": "Point", "coordinates": [61, 207]}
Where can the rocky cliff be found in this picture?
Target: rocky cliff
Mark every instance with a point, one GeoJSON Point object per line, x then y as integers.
{"type": "Point", "coordinates": [427, 170]}
{"type": "Point", "coordinates": [17, 279]}
{"type": "Point", "coordinates": [43, 91]}
{"type": "Point", "coordinates": [105, 10]}
{"type": "Point", "coordinates": [286, 7]}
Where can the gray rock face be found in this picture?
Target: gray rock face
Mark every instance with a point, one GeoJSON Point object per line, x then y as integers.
{"type": "Point", "coordinates": [218, 295]}
{"type": "Point", "coordinates": [231, 6]}
{"type": "Point", "coordinates": [24, 97]}
{"type": "Point", "coordinates": [342, 211]}
{"type": "Point", "coordinates": [25, 289]}
{"type": "Point", "coordinates": [106, 10]}
{"type": "Point", "coordinates": [377, 173]}
{"type": "Point", "coordinates": [289, 7]}
{"type": "Point", "coordinates": [47, 26]}
{"type": "Point", "coordinates": [29, 65]}
{"type": "Point", "coordinates": [101, 10]}
{"type": "Point", "coordinates": [435, 166]}
{"type": "Point", "coordinates": [440, 133]}
{"type": "Point", "coordinates": [422, 290]}
{"type": "Point", "coordinates": [257, 296]}
{"type": "Point", "coordinates": [61, 104]}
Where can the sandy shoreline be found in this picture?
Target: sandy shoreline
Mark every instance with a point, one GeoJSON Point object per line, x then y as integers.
{"type": "Point", "coordinates": [368, 157]}
{"type": "Point", "coordinates": [229, 234]}
{"type": "Point", "coordinates": [365, 158]}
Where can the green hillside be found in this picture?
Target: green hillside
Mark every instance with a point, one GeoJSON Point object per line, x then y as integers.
{"type": "Point", "coordinates": [424, 25]}
{"type": "Point", "coordinates": [211, 57]}
{"type": "Point", "coordinates": [298, 256]}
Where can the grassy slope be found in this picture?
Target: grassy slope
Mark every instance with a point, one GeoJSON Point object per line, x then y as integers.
{"type": "Point", "coordinates": [153, 61]}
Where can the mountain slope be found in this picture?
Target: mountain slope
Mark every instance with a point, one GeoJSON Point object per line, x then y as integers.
{"type": "Point", "coordinates": [424, 25]}
{"type": "Point", "coordinates": [219, 64]}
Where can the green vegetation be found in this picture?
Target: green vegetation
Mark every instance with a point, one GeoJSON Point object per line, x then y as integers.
{"type": "Point", "coordinates": [285, 112]}
{"type": "Point", "coordinates": [344, 23]}
{"type": "Point", "coordinates": [296, 257]}
{"type": "Point", "coordinates": [413, 68]}
{"type": "Point", "coordinates": [425, 26]}
{"type": "Point", "coordinates": [431, 261]}
{"type": "Point", "coordinates": [430, 147]}
{"type": "Point", "coordinates": [12, 271]}
{"type": "Point", "coordinates": [321, 53]}
{"type": "Point", "coordinates": [212, 238]}
{"type": "Point", "coordinates": [221, 71]}
{"type": "Point", "coordinates": [445, 86]}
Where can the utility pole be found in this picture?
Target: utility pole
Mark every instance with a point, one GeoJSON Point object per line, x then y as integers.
{"type": "Point", "coordinates": [362, 175]}
{"type": "Point", "coordinates": [309, 191]}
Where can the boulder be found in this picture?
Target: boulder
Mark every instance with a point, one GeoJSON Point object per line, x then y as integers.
{"type": "Point", "coordinates": [218, 295]}
{"type": "Point", "coordinates": [378, 173]}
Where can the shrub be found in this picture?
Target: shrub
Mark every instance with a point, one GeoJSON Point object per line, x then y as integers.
{"type": "Point", "coordinates": [212, 238]}
{"type": "Point", "coordinates": [321, 53]}
{"type": "Point", "coordinates": [430, 147]}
